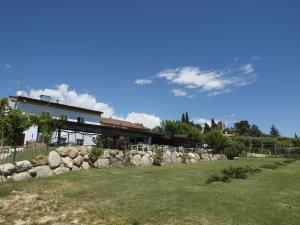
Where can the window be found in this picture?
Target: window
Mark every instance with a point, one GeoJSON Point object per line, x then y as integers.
{"type": "Point", "coordinates": [64, 117]}
{"type": "Point", "coordinates": [80, 119]}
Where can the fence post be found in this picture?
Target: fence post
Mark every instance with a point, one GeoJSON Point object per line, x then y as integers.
{"type": "Point", "coordinates": [14, 154]}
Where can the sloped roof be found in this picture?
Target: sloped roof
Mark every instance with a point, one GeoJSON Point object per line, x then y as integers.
{"type": "Point", "coordinates": [121, 123]}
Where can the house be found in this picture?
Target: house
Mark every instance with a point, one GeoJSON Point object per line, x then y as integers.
{"type": "Point", "coordinates": [57, 111]}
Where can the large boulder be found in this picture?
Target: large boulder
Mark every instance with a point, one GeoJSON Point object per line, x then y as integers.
{"type": "Point", "coordinates": [78, 160]}
{"type": "Point", "coordinates": [106, 154]}
{"type": "Point", "coordinates": [23, 166]}
{"type": "Point", "coordinates": [85, 165]}
{"type": "Point", "coordinates": [223, 157]}
{"type": "Point", "coordinates": [120, 155]}
{"type": "Point", "coordinates": [84, 150]}
{"type": "Point", "coordinates": [166, 157]}
{"type": "Point", "coordinates": [54, 159]}
{"type": "Point", "coordinates": [7, 169]}
{"type": "Point", "coordinates": [75, 168]}
{"type": "Point", "coordinates": [61, 170]}
{"type": "Point", "coordinates": [116, 162]}
{"type": "Point", "coordinates": [67, 162]}
{"type": "Point", "coordinates": [136, 160]}
{"type": "Point", "coordinates": [39, 160]}
{"type": "Point", "coordinates": [43, 171]}
{"type": "Point", "coordinates": [174, 157]}
{"type": "Point", "coordinates": [101, 163]}
{"type": "Point", "coordinates": [69, 151]}
{"type": "Point", "coordinates": [147, 160]}
{"type": "Point", "coordinates": [21, 176]}
{"type": "Point", "coordinates": [2, 179]}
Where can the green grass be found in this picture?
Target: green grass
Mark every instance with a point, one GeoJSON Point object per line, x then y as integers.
{"type": "Point", "coordinates": [175, 194]}
{"type": "Point", "coordinates": [27, 154]}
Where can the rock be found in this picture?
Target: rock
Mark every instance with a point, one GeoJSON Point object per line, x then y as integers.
{"type": "Point", "coordinates": [141, 153]}
{"type": "Point", "coordinates": [116, 162]}
{"type": "Point", "coordinates": [105, 154]}
{"type": "Point", "coordinates": [54, 159]}
{"type": "Point", "coordinates": [101, 163]}
{"type": "Point", "coordinates": [43, 171]}
{"type": "Point", "coordinates": [147, 160]}
{"type": "Point", "coordinates": [78, 160]}
{"type": "Point", "coordinates": [69, 151]}
{"type": "Point", "coordinates": [32, 172]}
{"type": "Point", "coordinates": [114, 152]}
{"type": "Point", "coordinates": [7, 169]}
{"type": "Point", "coordinates": [21, 176]}
{"type": "Point", "coordinates": [205, 157]}
{"type": "Point", "coordinates": [85, 165]}
{"type": "Point", "coordinates": [75, 168]}
{"type": "Point", "coordinates": [191, 155]}
{"type": "Point", "coordinates": [223, 157]}
{"type": "Point", "coordinates": [40, 160]}
{"type": "Point", "coordinates": [2, 179]}
{"type": "Point", "coordinates": [86, 157]}
{"type": "Point", "coordinates": [120, 155]}
{"type": "Point", "coordinates": [193, 160]}
{"type": "Point", "coordinates": [197, 156]}
{"type": "Point", "coordinates": [137, 160]}
{"type": "Point", "coordinates": [133, 152]}
{"type": "Point", "coordinates": [8, 178]}
{"type": "Point", "coordinates": [23, 166]}
{"type": "Point", "coordinates": [174, 157]}
{"type": "Point", "coordinates": [61, 170]}
{"type": "Point", "coordinates": [67, 162]}
{"type": "Point", "coordinates": [166, 157]}
{"type": "Point", "coordinates": [84, 150]}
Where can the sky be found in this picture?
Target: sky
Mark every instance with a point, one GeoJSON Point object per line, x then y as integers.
{"type": "Point", "coordinates": [146, 61]}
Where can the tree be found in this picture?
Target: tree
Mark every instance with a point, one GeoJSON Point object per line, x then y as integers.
{"type": "Point", "coordinates": [187, 120]}
{"type": "Point", "coordinates": [15, 123]}
{"type": "Point", "coordinates": [274, 132]}
{"type": "Point", "coordinates": [254, 131]}
{"type": "Point", "coordinates": [46, 125]}
{"type": "Point", "coordinates": [206, 128]}
{"type": "Point", "coordinates": [216, 140]}
{"type": "Point", "coordinates": [214, 125]}
{"type": "Point", "coordinates": [242, 128]}
{"type": "Point", "coordinates": [98, 141]}
{"type": "Point", "coordinates": [4, 109]}
{"type": "Point", "coordinates": [183, 118]}
{"type": "Point", "coordinates": [296, 136]}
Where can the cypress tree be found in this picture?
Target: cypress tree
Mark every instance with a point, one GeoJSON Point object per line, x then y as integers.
{"type": "Point", "coordinates": [187, 120]}
{"type": "Point", "coordinates": [183, 118]}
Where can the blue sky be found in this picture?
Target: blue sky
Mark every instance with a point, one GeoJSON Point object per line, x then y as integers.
{"type": "Point", "coordinates": [152, 60]}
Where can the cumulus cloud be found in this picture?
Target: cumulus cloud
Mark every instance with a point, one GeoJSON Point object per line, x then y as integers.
{"type": "Point", "coordinates": [64, 95]}
{"type": "Point", "coordinates": [214, 82]}
{"type": "Point", "coordinates": [7, 66]}
{"type": "Point", "coordinates": [143, 82]}
{"type": "Point", "coordinates": [202, 121]}
{"type": "Point", "coordinates": [178, 92]}
{"type": "Point", "coordinates": [147, 120]}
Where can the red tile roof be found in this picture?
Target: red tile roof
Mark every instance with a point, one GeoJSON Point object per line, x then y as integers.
{"type": "Point", "coordinates": [121, 123]}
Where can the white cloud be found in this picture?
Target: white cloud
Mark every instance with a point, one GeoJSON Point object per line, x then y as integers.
{"type": "Point", "coordinates": [202, 121]}
{"type": "Point", "coordinates": [178, 92]}
{"type": "Point", "coordinates": [7, 66]}
{"type": "Point", "coordinates": [147, 120]}
{"type": "Point", "coordinates": [248, 68]}
{"type": "Point", "coordinates": [85, 100]}
{"type": "Point", "coordinates": [214, 82]}
{"type": "Point", "coordinates": [143, 81]}
{"type": "Point", "coordinates": [71, 97]}
{"type": "Point", "coordinates": [256, 58]}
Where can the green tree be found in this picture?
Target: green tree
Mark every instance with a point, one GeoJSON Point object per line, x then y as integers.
{"type": "Point", "coordinates": [296, 136]}
{"type": "Point", "coordinates": [46, 125]}
{"type": "Point", "coordinates": [216, 140]}
{"type": "Point", "coordinates": [183, 118]}
{"type": "Point", "coordinates": [4, 109]}
{"type": "Point", "coordinates": [187, 120]}
{"type": "Point", "coordinates": [242, 128]}
{"type": "Point", "coordinates": [254, 131]}
{"type": "Point", "coordinates": [15, 123]}
{"type": "Point", "coordinates": [98, 141]}
{"type": "Point", "coordinates": [214, 125]}
{"type": "Point", "coordinates": [274, 132]}
{"type": "Point", "coordinates": [206, 128]}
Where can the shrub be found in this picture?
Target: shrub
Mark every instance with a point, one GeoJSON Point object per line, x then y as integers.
{"type": "Point", "coordinates": [280, 163]}
{"type": "Point", "coordinates": [289, 161]}
{"type": "Point", "coordinates": [127, 161]}
{"type": "Point", "coordinates": [270, 166]}
{"type": "Point", "coordinates": [156, 162]}
{"type": "Point", "coordinates": [96, 153]}
{"type": "Point", "coordinates": [184, 158]}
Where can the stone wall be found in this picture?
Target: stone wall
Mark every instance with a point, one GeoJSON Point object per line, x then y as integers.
{"type": "Point", "coordinates": [70, 158]}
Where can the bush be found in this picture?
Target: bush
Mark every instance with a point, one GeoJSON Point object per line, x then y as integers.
{"type": "Point", "coordinates": [289, 161]}
{"type": "Point", "coordinates": [231, 152]}
{"type": "Point", "coordinates": [184, 158]}
{"type": "Point", "coordinates": [96, 153]}
{"type": "Point", "coordinates": [270, 166]}
{"type": "Point", "coordinates": [156, 162]}
{"type": "Point", "coordinates": [127, 161]}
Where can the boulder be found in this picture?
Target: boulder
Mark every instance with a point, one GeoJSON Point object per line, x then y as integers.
{"type": "Point", "coordinates": [2, 179]}
{"type": "Point", "coordinates": [205, 157]}
{"type": "Point", "coordinates": [23, 166]}
{"type": "Point", "coordinates": [197, 156]}
{"type": "Point", "coordinates": [166, 157]}
{"type": "Point", "coordinates": [193, 160]}
{"type": "Point", "coordinates": [69, 151]}
{"type": "Point", "coordinates": [78, 160]}
{"type": "Point", "coordinates": [223, 157]}
{"type": "Point", "coordinates": [21, 176]}
{"type": "Point", "coordinates": [116, 162]}
{"type": "Point", "coordinates": [136, 160]}
{"type": "Point", "coordinates": [105, 154]}
{"type": "Point", "coordinates": [61, 170]}
{"type": "Point", "coordinates": [86, 157]}
{"type": "Point", "coordinates": [67, 162]}
{"type": "Point", "coordinates": [141, 153]}
{"type": "Point", "coordinates": [174, 157]}
{"type": "Point", "coordinates": [32, 172]}
{"type": "Point", "coordinates": [191, 155]}
{"type": "Point", "coordinates": [85, 165]}
{"type": "Point", "coordinates": [7, 169]}
{"type": "Point", "coordinates": [133, 152]}
{"type": "Point", "coordinates": [101, 163]}
{"type": "Point", "coordinates": [147, 160]}
{"type": "Point", "coordinates": [54, 159]}
{"type": "Point", "coordinates": [43, 171]}
{"type": "Point", "coordinates": [84, 150]}
{"type": "Point", "coordinates": [40, 160]}
{"type": "Point", "coordinates": [75, 168]}
{"type": "Point", "coordinates": [120, 155]}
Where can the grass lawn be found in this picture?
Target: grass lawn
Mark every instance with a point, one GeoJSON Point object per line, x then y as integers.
{"type": "Point", "coordinates": [174, 194]}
